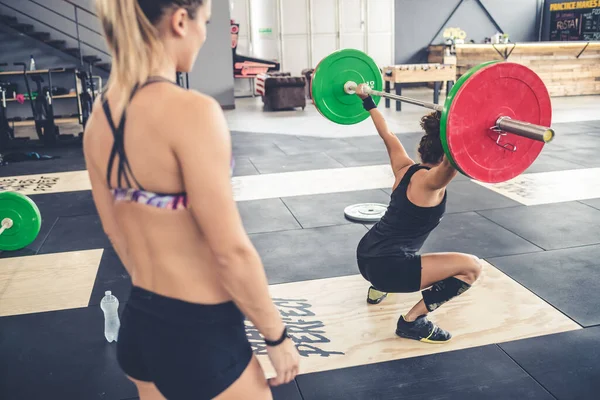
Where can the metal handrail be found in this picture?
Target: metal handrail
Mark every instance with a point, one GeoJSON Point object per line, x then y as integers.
{"type": "Point", "coordinates": [64, 16]}
{"type": "Point", "coordinates": [58, 30]}
{"type": "Point", "coordinates": [81, 8]}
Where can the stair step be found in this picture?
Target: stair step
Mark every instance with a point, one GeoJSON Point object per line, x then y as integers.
{"type": "Point", "coordinates": [74, 51]}
{"type": "Point", "coordinates": [22, 27]}
{"type": "Point", "coordinates": [8, 19]}
{"type": "Point", "coordinates": [91, 59]}
{"type": "Point", "coordinates": [40, 35]}
{"type": "Point", "coordinates": [59, 44]}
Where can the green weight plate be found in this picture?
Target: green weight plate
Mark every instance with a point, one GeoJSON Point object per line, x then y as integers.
{"type": "Point", "coordinates": [329, 78]}
{"type": "Point", "coordinates": [26, 221]}
{"type": "Point", "coordinates": [448, 103]}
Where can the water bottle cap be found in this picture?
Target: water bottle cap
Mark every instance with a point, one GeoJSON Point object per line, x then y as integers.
{"type": "Point", "coordinates": [108, 293]}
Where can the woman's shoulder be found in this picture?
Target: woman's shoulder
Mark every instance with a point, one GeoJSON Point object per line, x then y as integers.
{"type": "Point", "coordinates": [191, 103]}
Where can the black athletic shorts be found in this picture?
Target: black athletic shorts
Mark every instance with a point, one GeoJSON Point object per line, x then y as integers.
{"type": "Point", "coordinates": [392, 274]}
{"type": "Point", "coordinates": [189, 351]}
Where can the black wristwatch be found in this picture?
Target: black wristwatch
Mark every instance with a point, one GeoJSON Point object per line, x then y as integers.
{"type": "Point", "coordinates": [277, 342]}
{"type": "Point", "coordinates": [369, 104]}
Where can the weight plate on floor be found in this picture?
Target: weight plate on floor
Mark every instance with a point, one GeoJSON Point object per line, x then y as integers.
{"type": "Point", "coordinates": [500, 89]}
{"type": "Point", "coordinates": [367, 212]}
{"type": "Point", "coordinates": [447, 106]}
{"type": "Point", "coordinates": [329, 78]}
{"type": "Point", "coordinates": [26, 218]}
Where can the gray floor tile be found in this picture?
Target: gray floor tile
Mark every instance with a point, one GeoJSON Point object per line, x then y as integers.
{"type": "Point", "coordinates": [361, 158]}
{"type": "Point", "coordinates": [410, 142]}
{"type": "Point", "coordinates": [580, 154]}
{"type": "Point", "coordinates": [550, 163]}
{"type": "Point", "coordinates": [307, 254]}
{"type": "Point", "coordinates": [566, 364]}
{"type": "Point", "coordinates": [568, 279]}
{"type": "Point", "coordinates": [479, 373]}
{"type": "Point", "coordinates": [592, 203]}
{"type": "Point", "coordinates": [469, 196]}
{"type": "Point", "coordinates": [551, 226]}
{"type": "Point", "coordinates": [473, 234]}
{"type": "Point", "coordinates": [299, 162]}
{"type": "Point", "coordinates": [269, 215]}
{"type": "Point", "coordinates": [256, 149]}
{"type": "Point", "coordinates": [244, 167]}
{"type": "Point", "coordinates": [308, 145]}
{"type": "Point", "coordinates": [328, 209]}
{"type": "Point", "coordinates": [366, 143]}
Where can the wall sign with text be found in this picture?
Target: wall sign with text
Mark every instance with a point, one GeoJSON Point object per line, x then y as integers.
{"type": "Point", "coordinates": [575, 20]}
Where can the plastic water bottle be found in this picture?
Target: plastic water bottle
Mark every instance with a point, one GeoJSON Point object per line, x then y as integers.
{"type": "Point", "coordinates": [32, 64]}
{"type": "Point", "coordinates": [110, 307]}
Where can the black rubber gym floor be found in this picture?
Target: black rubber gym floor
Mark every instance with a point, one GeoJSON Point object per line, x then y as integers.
{"type": "Point", "coordinates": [553, 250]}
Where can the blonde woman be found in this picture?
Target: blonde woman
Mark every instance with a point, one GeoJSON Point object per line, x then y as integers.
{"type": "Point", "coordinates": [158, 158]}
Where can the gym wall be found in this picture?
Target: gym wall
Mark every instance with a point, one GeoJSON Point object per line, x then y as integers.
{"type": "Point", "coordinates": [417, 23]}
{"type": "Point", "coordinates": [300, 33]}
{"type": "Point", "coordinates": [213, 72]}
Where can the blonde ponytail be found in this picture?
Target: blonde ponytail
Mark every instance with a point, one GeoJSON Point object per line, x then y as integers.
{"type": "Point", "coordinates": [134, 44]}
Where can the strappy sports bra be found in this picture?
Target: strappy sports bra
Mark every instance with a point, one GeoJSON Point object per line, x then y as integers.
{"type": "Point", "coordinates": [176, 201]}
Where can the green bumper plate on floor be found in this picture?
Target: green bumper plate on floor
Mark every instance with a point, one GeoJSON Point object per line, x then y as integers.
{"type": "Point", "coordinates": [26, 221]}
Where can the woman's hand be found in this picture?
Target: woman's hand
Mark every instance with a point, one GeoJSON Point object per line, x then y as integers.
{"type": "Point", "coordinates": [362, 90]}
{"type": "Point", "coordinates": [286, 361]}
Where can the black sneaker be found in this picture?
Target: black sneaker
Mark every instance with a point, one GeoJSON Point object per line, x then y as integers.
{"type": "Point", "coordinates": [422, 330]}
{"type": "Point", "coordinates": [375, 296]}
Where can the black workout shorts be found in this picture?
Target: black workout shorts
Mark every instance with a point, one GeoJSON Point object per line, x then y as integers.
{"type": "Point", "coordinates": [189, 351]}
{"type": "Point", "coordinates": [392, 274]}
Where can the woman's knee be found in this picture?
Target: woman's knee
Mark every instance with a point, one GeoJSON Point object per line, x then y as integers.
{"type": "Point", "coordinates": [471, 271]}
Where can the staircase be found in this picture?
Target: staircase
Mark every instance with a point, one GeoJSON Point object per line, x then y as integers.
{"type": "Point", "coordinates": [45, 38]}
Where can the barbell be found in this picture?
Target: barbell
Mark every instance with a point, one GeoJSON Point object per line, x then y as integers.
{"type": "Point", "coordinates": [20, 221]}
{"type": "Point", "coordinates": [493, 125]}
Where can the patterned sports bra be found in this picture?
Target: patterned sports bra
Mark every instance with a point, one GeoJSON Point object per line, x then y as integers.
{"type": "Point", "coordinates": [176, 201]}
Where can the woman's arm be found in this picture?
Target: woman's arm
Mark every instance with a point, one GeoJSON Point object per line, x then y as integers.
{"type": "Point", "coordinates": [398, 156]}
{"type": "Point", "coordinates": [203, 148]}
{"type": "Point", "coordinates": [439, 177]}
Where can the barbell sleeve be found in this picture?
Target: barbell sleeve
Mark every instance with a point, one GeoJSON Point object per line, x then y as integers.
{"type": "Point", "coordinates": [506, 124]}
{"type": "Point", "coordinates": [7, 223]}
{"type": "Point", "coordinates": [525, 129]}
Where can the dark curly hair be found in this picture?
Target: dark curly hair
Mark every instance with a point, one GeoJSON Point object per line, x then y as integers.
{"type": "Point", "coordinates": [430, 147]}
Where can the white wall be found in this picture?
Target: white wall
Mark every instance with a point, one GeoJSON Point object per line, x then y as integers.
{"type": "Point", "coordinates": [302, 32]}
{"type": "Point", "coordinates": [213, 71]}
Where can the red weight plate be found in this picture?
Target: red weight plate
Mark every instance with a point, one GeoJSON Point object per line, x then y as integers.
{"type": "Point", "coordinates": [503, 89]}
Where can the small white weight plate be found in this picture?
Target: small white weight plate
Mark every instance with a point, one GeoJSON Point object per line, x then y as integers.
{"type": "Point", "coordinates": [367, 212]}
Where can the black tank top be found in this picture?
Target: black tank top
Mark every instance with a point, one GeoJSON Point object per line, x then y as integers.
{"type": "Point", "coordinates": [405, 226]}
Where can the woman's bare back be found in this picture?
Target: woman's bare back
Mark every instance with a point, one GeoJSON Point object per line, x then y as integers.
{"type": "Point", "coordinates": [173, 260]}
